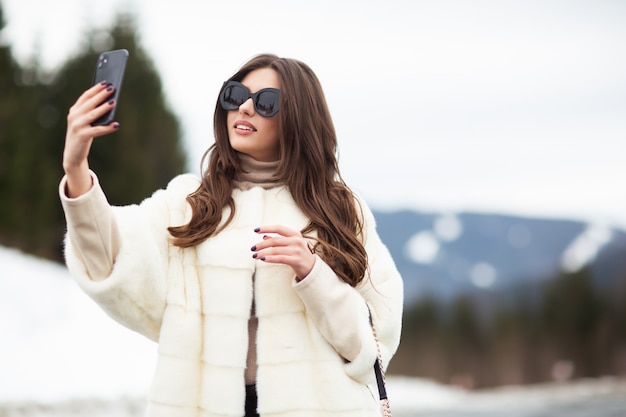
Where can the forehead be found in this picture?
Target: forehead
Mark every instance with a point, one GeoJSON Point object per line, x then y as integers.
{"type": "Point", "coordinates": [261, 78]}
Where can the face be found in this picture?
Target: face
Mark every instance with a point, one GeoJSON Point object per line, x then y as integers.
{"type": "Point", "coordinates": [249, 132]}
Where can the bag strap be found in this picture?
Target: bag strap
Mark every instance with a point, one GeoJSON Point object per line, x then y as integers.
{"type": "Point", "coordinates": [380, 381]}
{"type": "Point", "coordinates": [380, 374]}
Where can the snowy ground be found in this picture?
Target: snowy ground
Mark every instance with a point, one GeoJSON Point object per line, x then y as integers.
{"type": "Point", "coordinates": [61, 356]}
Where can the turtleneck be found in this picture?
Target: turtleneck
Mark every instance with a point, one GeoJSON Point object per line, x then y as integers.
{"type": "Point", "coordinates": [256, 173]}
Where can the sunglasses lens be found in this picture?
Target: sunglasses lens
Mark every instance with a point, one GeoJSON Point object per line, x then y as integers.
{"type": "Point", "coordinates": [266, 103]}
{"type": "Point", "coordinates": [234, 96]}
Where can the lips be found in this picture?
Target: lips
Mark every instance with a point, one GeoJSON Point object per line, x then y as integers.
{"type": "Point", "coordinates": [244, 126]}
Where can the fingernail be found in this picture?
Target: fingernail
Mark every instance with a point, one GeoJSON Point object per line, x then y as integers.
{"type": "Point", "coordinates": [109, 88]}
{"type": "Point", "coordinates": [253, 248]}
{"type": "Point", "coordinates": [116, 125]}
{"type": "Point", "coordinates": [255, 255]}
{"type": "Point", "coordinates": [111, 102]}
{"type": "Point", "coordinates": [257, 230]}
{"type": "Point", "coordinates": [265, 237]}
{"type": "Point", "coordinates": [262, 258]}
{"type": "Point", "coordinates": [103, 83]}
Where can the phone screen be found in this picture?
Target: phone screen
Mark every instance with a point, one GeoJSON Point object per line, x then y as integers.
{"type": "Point", "coordinates": [110, 68]}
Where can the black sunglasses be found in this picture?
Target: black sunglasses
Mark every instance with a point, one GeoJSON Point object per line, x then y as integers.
{"type": "Point", "coordinates": [266, 101]}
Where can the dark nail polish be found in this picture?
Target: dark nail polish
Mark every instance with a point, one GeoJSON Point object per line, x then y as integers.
{"type": "Point", "coordinates": [257, 230]}
{"type": "Point", "coordinates": [255, 255]}
{"type": "Point", "coordinates": [103, 83]}
{"type": "Point", "coordinates": [111, 102]}
{"type": "Point", "coordinates": [262, 258]}
{"type": "Point", "coordinates": [116, 125]}
{"type": "Point", "coordinates": [109, 88]}
{"type": "Point", "coordinates": [253, 248]}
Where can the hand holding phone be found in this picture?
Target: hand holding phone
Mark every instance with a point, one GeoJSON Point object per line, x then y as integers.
{"type": "Point", "coordinates": [110, 69]}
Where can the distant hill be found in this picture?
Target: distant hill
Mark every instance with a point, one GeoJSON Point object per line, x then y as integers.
{"type": "Point", "coordinates": [445, 255]}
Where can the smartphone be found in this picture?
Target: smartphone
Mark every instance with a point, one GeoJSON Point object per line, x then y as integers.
{"type": "Point", "coordinates": [110, 68]}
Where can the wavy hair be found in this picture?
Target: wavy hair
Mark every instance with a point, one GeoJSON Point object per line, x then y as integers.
{"type": "Point", "coordinates": [308, 166]}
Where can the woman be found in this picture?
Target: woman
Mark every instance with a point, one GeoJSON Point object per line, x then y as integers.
{"type": "Point", "coordinates": [256, 280]}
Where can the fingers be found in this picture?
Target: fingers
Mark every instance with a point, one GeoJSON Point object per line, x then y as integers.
{"type": "Point", "coordinates": [278, 236]}
{"type": "Point", "coordinates": [81, 118]}
{"type": "Point", "coordinates": [94, 95]}
{"type": "Point", "coordinates": [279, 229]}
{"type": "Point", "coordinates": [283, 245]}
{"type": "Point", "coordinates": [91, 105]}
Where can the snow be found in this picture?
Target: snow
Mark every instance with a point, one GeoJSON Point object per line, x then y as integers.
{"type": "Point", "coordinates": [585, 247]}
{"type": "Point", "coordinates": [60, 355]}
{"type": "Point", "coordinates": [57, 343]}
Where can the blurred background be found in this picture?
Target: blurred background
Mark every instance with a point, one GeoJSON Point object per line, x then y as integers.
{"type": "Point", "coordinates": [488, 137]}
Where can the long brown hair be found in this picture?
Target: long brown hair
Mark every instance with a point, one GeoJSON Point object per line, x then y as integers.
{"type": "Point", "coordinates": [308, 166]}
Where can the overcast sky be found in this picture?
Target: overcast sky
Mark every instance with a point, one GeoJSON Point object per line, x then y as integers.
{"type": "Point", "coordinates": [501, 106]}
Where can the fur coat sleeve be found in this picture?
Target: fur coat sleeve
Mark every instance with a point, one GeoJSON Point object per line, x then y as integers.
{"type": "Point", "coordinates": [342, 313]}
{"type": "Point", "coordinates": [134, 291]}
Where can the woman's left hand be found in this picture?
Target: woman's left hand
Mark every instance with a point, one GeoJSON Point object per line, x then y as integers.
{"type": "Point", "coordinates": [281, 245]}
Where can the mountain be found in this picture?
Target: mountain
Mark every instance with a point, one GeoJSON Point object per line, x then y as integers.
{"type": "Point", "coordinates": [444, 255]}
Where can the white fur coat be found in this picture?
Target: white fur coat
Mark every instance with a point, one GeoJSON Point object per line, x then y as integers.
{"type": "Point", "coordinates": [196, 303]}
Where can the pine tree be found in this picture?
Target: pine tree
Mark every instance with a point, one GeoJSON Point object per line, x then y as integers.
{"type": "Point", "coordinates": [17, 149]}
{"type": "Point", "coordinates": [7, 96]}
{"type": "Point", "coordinates": [131, 163]}
{"type": "Point", "coordinates": [146, 152]}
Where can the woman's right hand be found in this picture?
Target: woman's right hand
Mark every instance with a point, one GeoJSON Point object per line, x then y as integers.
{"type": "Point", "coordinates": [80, 135]}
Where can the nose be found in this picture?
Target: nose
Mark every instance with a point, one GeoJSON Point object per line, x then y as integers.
{"type": "Point", "coordinates": [247, 107]}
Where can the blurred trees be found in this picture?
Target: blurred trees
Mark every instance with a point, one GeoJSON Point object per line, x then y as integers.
{"type": "Point", "coordinates": [568, 328]}
{"type": "Point", "coordinates": [132, 163]}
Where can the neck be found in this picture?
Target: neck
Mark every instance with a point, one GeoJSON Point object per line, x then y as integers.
{"type": "Point", "coordinates": [256, 173]}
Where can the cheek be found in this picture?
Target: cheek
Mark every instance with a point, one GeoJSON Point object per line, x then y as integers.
{"type": "Point", "coordinates": [273, 127]}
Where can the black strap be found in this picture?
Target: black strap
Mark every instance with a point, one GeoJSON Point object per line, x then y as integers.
{"type": "Point", "coordinates": [382, 390]}
{"type": "Point", "coordinates": [380, 380]}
